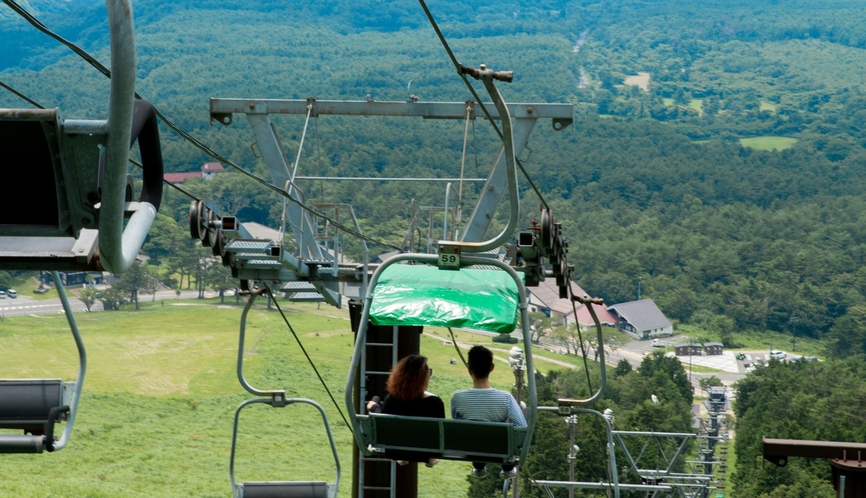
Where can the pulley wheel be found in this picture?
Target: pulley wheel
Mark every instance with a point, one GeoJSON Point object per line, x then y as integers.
{"type": "Point", "coordinates": [211, 233]}
{"type": "Point", "coordinates": [196, 224]}
{"type": "Point", "coordinates": [219, 242]}
{"type": "Point", "coordinates": [229, 258]}
{"type": "Point", "coordinates": [546, 231]}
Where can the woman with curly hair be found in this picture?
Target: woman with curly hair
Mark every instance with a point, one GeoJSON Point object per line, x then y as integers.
{"type": "Point", "coordinates": [407, 393]}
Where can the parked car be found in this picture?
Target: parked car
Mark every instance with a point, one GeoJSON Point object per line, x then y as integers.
{"type": "Point", "coordinates": [779, 355]}
{"type": "Point", "coordinates": [803, 358]}
{"type": "Point", "coordinates": [2, 294]}
{"type": "Point", "coordinates": [12, 293]}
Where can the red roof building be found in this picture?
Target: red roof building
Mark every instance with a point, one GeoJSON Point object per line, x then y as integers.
{"type": "Point", "coordinates": [177, 178]}
{"type": "Point", "coordinates": [207, 171]}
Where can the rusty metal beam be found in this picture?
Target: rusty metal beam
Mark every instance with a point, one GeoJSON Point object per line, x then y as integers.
{"type": "Point", "coordinates": [777, 451]}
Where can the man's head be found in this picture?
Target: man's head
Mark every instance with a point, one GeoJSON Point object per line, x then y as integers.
{"type": "Point", "coordinates": [480, 362]}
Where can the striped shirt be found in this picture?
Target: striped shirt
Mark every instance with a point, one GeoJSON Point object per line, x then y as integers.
{"type": "Point", "coordinates": [487, 404]}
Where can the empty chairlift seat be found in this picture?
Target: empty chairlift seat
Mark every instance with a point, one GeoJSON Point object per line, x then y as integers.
{"type": "Point", "coordinates": [292, 489]}
{"type": "Point", "coordinates": [32, 406]}
{"type": "Point", "coordinates": [283, 489]}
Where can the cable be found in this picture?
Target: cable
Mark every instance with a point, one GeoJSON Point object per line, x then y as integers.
{"type": "Point", "coordinates": [197, 143]}
{"type": "Point", "coordinates": [22, 96]}
{"type": "Point", "coordinates": [459, 353]}
{"type": "Point", "coordinates": [475, 95]}
{"type": "Point", "coordinates": [182, 191]}
{"type": "Point", "coordinates": [271, 293]}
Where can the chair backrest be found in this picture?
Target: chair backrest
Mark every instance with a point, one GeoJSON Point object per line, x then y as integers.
{"type": "Point", "coordinates": [32, 406]}
{"type": "Point", "coordinates": [29, 143]}
{"type": "Point", "coordinates": [26, 404]}
{"type": "Point", "coordinates": [292, 489]}
{"type": "Point", "coordinates": [443, 438]}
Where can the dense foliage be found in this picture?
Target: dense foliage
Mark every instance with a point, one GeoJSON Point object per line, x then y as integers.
{"type": "Point", "coordinates": [652, 185]}
{"type": "Point", "coordinates": [629, 394]}
{"type": "Point", "coordinates": [805, 400]}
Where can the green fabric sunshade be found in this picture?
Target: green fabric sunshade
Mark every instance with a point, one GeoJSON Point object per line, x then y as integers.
{"type": "Point", "coordinates": [425, 295]}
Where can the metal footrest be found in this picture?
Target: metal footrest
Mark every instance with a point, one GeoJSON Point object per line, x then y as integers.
{"type": "Point", "coordinates": [21, 444]}
{"type": "Point", "coordinates": [47, 253]}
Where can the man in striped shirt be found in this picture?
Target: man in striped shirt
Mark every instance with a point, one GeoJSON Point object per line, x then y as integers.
{"type": "Point", "coordinates": [484, 403]}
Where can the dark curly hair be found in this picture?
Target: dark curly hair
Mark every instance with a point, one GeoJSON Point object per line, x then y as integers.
{"type": "Point", "coordinates": [407, 379]}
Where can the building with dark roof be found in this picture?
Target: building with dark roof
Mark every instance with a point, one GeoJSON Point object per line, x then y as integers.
{"type": "Point", "coordinates": [713, 348]}
{"type": "Point", "coordinates": [642, 319]}
{"type": "Point", "coordinates": [692, 349]}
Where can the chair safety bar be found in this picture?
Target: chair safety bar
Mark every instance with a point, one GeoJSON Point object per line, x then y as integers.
{"type": "Point", "coordinates": [277, 399]}
{"type": "Point", "coordinates": [35, 405]}
{"type": "Point", "coordinates": [287, 489]}
{"type": "Point", "coordinates": [277, 395]}
{"type": "Point", "coordinates": [371, 434]}
{"type": "Point", "coordinates": [420, 438]}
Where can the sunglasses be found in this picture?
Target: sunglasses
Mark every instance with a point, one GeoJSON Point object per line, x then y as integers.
{"type": "Point", "coordinates": [429, 372]}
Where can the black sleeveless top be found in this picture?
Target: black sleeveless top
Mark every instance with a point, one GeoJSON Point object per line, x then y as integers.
{"type": "Point", "coordinates": [431, 406]}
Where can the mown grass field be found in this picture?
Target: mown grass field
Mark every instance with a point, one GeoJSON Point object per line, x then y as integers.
{"type": "Point", "coordinates": [768, 143]}
{"type": "Point", "coordinates": [156, 413]}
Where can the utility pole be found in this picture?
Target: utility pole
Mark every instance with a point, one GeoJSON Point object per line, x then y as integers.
{"type": "Point", "coordinates": [793, 322]}
{"type": "Point", "coordinates": [572, 450]}
{"type": "Point", "coordinates": [518, 366]}
{"type": "Point", "coordinates": [638, 287]}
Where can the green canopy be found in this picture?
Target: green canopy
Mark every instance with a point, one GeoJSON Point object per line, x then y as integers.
{"type": "Point", "coordinates": [425, 295]}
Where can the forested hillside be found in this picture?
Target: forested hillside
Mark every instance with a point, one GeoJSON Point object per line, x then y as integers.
{"type": "Point", "coordinates": [651, 185]}
{"type": "Point", "coordinates": [728, 177]}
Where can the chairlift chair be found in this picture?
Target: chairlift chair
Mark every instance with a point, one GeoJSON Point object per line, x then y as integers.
{"type": "Point", "coordinates": [282, 489]}
{"type": "Point", "coordinates": [482, 297]}
{"type": "Point", "coordinates": [277, 399]}
{"type": "Point", "coordinates": [34, 406]}
{"type": "Point", "coordinates": [73, 177]}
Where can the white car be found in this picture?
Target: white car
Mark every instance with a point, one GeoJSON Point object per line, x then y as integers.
{"type": "Point", "coordinates": [12, 293]}
{"type": "Point", "coordinates": [779, 355]}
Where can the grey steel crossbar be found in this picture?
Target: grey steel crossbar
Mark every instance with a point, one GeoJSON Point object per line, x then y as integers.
{"type": "Point", "coordinates": [220, 108]}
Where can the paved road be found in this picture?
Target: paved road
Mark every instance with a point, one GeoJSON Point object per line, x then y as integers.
{"type": "Point", "coordinates": [26, 305]}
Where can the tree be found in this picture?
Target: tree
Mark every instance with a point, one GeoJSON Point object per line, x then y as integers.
{"type": "Point", "coordinates": [613, 339]}
{"type": "Point", "coordinates": [804, 400]}
{"type": "Point", "coordinates": [658, 366]}
{"type": "Point", "coordinates": [137, 278]}
{"type": "Point", "coordinates": [623, 367]}
{"type": "Point", "coordinates": [220, 279]}
{"type": "Point", "coordinates": [708, 382]}
{"type": "Point", "coordinates": [112, 298]}
{"type": "Point", "coordinates": [88, 296]}
{"type": "Point", "coordinates": [539, 325]}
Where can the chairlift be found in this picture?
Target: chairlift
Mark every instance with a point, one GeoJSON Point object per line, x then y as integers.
{"type": "Point", "coordinates": [34, 406]}
{"type": "Point", "coordinates": [276, 399]}
{"type": "Point", "coordinates": [490, 297]}
{"type": "Point", "coordinates": [72, 175]}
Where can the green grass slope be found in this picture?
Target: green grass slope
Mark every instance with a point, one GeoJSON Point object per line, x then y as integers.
{"type": "Point", "coordinates": [156, 413]}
